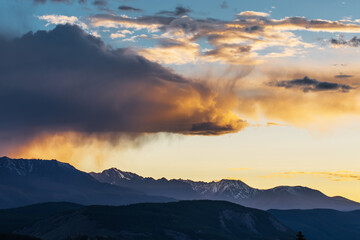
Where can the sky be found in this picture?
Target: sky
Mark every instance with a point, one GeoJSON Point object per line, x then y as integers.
{"type": "Point", "coordinates": [263, 91]}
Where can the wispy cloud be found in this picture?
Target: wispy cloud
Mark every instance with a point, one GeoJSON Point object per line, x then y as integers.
{"type": "Point", "coordinates": [269, 124]}
{"type": "Point", "coordinates": [341, 175]}
{"type": "Point", "coordinates": [179, 11]}
{"type": "Point", "coordinates": [128, 8]}
{"type": "Point", "coordinates": [62, 19]}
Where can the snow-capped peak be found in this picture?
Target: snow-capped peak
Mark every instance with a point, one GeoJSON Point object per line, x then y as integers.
{"type": "Point", "coordinates": [231, 188]}
{"type": "Point", "coordinates": [114, 172]}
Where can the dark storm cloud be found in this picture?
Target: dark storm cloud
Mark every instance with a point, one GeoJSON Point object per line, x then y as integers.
{"type": "Point", "coordinates": [341, 42]}
{"type": "Point", "coordinates": [128, 8]}
{"type": "Point", "coordinates": [307, 84]}
{"type": "Point", "coordinates": [67, 80]}
{"type": "Point", "coordinates": [179, 11]}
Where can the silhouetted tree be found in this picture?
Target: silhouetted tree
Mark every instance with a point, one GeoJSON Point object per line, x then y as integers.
{"type": "Point", "coordinates": [300, 236]}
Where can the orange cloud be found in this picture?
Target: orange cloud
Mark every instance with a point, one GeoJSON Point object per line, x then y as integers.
{"type": "Point", "coordinates": [321, 106]}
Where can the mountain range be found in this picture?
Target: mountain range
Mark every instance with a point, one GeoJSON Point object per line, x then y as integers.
{"type": "Point", "coordinates": [236, 191]}
{"type": "Point", "coordinates": [24, 182]}
{"type": "Point", "coordinates": [78, 207]}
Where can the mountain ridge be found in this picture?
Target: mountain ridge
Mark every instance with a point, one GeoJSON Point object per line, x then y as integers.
{"type": "Point", "coordinates": [280, 197]}
{"type": "Point", "coordinates": [24, 182]}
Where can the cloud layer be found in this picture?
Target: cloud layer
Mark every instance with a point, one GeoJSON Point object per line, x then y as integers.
{"type": "Point", "coordinates": [251, 38]}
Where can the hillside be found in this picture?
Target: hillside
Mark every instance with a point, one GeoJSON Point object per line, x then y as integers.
{"type": "Point", "coordinates": [320, 224]}
{"type": "Point", "coordinates": [176, 220]}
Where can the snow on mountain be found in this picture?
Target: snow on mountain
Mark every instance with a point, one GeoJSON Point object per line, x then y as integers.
{"type": "Point", "coordinates": [115, 176]}
{"type": "Point", "coordinates": [30, 181]}
{"type": "Point", "coordinates": [281, 197]}
{"type": "Point", "coordinates": [230, 188]}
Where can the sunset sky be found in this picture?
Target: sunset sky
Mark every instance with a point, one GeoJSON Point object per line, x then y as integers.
{"type": "Point", "coordinates": [267, 91]}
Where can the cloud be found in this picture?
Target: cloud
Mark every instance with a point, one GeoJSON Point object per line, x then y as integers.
{"type": "Point", "coordinates": [231, 45]}
{"type": "Point", "coordinates": [113, 21]}
{"type": "Point", "coordinates": [179, 11]}
{"type": "Point", "coordinates": [128, 8]}
{"type": "Point", "coordinates": [341, 42]}
{"type": "Point", "coordinates": [72, 20]}
{"type": "Point", "coordinates": [342, 175]}
{"type": "Point", "coordinates": [258, 101]}
{"type": "Point", "coordinates": [270, 124]}
{"type": "Point", "coordinates": [62, 19]}
{"type": "Point", "coordinates": [253, 13]}
{"type": "Point", "coordinates": [65, 80]}
{"type": "Point", "coordinates": [210, 128]}
{"type": "Point", "coordinates": [120, 34]}
{"type": "Point", "coordinates": [306, 84]}
{"type": "Point", "coordinates": [172, 51]}
{"type": "Point", "coordinates": [117, 35]}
